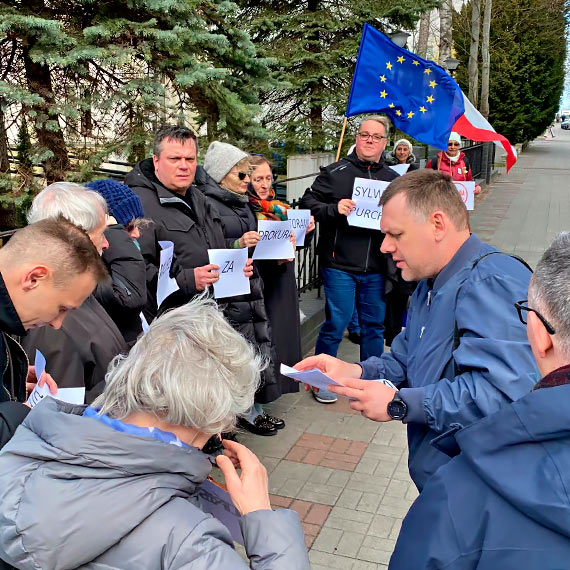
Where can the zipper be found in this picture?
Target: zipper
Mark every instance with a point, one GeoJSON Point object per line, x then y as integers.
{"type": "Point", "coordinates": [334, 241]}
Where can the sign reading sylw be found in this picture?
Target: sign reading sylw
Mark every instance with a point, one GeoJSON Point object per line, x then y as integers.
{"type": "Point", "coordinates": [275, 242]}
{"type": "Point", "coordinates": [467, 192]}
{"type": "Point", "coordinates": [366, 193]}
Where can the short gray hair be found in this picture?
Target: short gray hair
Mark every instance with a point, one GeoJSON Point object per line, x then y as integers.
{"type": "Point", "coordinates": [549, 289]}
{"type": "Point", "coordinates": [83, 207]}
{"type": "Point", "coordinates": [379, 119]}
{"type": "Point", "coordinates": [190, 369]}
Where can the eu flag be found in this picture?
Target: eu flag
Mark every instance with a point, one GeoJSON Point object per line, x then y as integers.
{"type": "Point", "coordinates": [420, 98]}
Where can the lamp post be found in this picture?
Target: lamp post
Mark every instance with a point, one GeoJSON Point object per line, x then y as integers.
{"type": "Point", "coordinates": [451, 65]}
{"type": "Point", "coordinates": [400, 38]}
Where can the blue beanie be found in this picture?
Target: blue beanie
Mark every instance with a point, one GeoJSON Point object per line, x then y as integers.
{"type": "Point", "coordinates": [124, 205]}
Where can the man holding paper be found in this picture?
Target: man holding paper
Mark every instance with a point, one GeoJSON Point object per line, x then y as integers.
{"type": "Point", "coordinates": [464, 352]}
{"type": "Point", "coordinates": [352, 266]}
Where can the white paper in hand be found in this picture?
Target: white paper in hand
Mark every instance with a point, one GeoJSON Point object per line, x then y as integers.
{"type": "Point", "coordinates": [300, 220]}
{"type": "Point", "coordinates": [366, 193]}
{"type": "Point", "coordinates": [166, 285]}
{"type": "Point", "coordinates": [313, 377]}
{"type": "Point", "coordinates": [275, 240]}
{"type": "Point", "coordinates": [400, 168]}
{"type": "Point", "coordinates": [232, 280]}
{"type": "Point", "coordinates": [467, 192]}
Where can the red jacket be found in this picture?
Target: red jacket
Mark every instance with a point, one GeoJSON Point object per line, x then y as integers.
{"type": "Point", "coordinates": [459, 171]}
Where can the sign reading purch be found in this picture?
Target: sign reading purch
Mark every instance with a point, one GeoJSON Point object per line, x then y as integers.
{"type": "Point", "coordinates": [366, 193]}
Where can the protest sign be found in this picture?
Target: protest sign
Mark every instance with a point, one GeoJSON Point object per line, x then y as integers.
{"type": "Point", "coordinates": [215, 500]}
{"type": "Point", "coordinates": [275, 240]}
{"type": "Point", "coordinates": [400, 168]}
{"type": "Point", "coordinates": [366, 193]}
{"type": "Point", "coordinates": [232, 280]}
{"type": "Point", "coordinates": [467, 192]}
{"type": "Point", "coordinates": [71, 395]}
{"type": "Point", "coordinates": [166, 285]}
{"type": "Point", "coordinates": [300, 220]}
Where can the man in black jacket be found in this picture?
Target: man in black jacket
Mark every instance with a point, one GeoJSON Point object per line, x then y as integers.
{"type": "Point", "coordinates": [352, 267]}
{"type": "Point", "coordinates": [46, 270]}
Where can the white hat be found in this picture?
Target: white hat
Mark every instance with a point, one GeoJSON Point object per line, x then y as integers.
{"type": "Point", "coordinates": [221, 158]}
{"type": "Point", "coordinates": [456, 137]}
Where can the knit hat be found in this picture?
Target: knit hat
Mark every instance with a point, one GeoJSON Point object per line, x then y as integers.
{"type": "Point", "coordinates": [221, 158]}
{"type": "Point", "coordinates": [455, 137]}
{"type": "Point", "coordinates": [405, 142]}
{"type": "Point", "coordinates": [124, 205]}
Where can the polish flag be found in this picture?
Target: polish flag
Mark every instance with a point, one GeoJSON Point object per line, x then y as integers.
{"type": "Point", "coordinates": [473, 126]}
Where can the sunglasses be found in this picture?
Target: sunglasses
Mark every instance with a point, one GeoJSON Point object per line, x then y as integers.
{"type": "Point", "coordinates": [243, 175]}
{"type": "Point", "coordinates": [453, 144]}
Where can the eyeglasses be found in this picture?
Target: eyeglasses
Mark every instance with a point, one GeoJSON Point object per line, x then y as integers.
{"type": "Point", "coordinates": [453, 144]}
{"type": "Point", "coordinates": [520, 307]}
{"type": "Point", "coordinates": [243, 175]}
{"type": "Point", "coordinates": [368, 136]}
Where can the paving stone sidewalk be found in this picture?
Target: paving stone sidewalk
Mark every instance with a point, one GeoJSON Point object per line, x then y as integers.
{"type": "Point", "coordinates": [347, 476]}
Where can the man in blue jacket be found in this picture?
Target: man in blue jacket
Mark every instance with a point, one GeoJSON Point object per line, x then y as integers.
{"type": "Point", "coordinates": [504, 501]}
{"type": "Point", "coordinates": [463, 353]}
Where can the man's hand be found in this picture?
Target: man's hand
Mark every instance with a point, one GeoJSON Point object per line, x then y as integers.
{"type": "Point", "coordinates": [249, 239]}
{"type": "Point", "coordinates": [477, 189]}
{"type": "Point", "coordinates": [250, 490]}
{"type": "Point", "coordinates": [32, 380]}
{"type": "Point", "coordinates": [311, 225]}
{"type": "Point", "coordinates": [345, 206]}
{"type": "Point", "coordinates": [331, 366]}
{"type": "Point", "coordinates": [205, 275]}
{"type": "Point", "coordinates": [369, 398]}
{"type": "Point", "coordinates": [248, 269]}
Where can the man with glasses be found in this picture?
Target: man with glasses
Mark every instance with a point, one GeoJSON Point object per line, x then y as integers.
{"type": "Point", "coordinates": [352, 267]}
{"type": "Point", "coordinates": [504, 502]}
{"type": "Point", "coordinates": [464, 352]}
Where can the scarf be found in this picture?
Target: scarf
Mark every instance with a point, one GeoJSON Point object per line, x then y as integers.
{"type": "Point", "coordinates": [236, 195]}
{"type": "Point", "coordinates": [453, 159]}
{"type": "Point", "coordinates": [268, 209]}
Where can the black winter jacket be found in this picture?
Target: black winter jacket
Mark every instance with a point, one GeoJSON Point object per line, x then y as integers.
{"type": "Point", "coordinates": [13, 367]}
{"type": "Point", "coordinates": [124, 295]}
{"type": "Point", "coordinates": [247, 313]}
{"type": "Point", "coordinates": [341, 246]}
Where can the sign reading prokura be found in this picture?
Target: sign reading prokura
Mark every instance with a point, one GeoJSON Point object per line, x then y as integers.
{"type": "Point", "coordinates": [275, 242]}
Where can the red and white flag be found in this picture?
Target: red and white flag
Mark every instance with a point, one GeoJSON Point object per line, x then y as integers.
{"type": "Point", "coordinates": [473, 126]}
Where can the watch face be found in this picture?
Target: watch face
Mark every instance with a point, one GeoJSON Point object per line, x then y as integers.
{"type": "Point", "coordinates": [397, 410]}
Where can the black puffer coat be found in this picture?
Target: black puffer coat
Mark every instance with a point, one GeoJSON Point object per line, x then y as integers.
{"type": "Point", "coordinates": [246, 312]}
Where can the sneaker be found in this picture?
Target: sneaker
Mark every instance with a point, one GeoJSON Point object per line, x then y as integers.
{"type": "Point", "coordinates": [324, 396]}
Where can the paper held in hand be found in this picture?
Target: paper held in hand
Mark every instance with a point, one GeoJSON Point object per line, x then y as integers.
{"type": "Point", "coordinates": [467, 192]}
{"type": "Point", "coordinates": [314, 377]}
{"type": "Point", "coordinates": [166, 285]}
{"type": "Point", "coordinates": [232, 280]}
{"type": "Point", "coordinates": [366, 193]}
{"type": "Point", "coordinates": [275, 242]}
{"type": "Point", "coordinates": [300, 220]}
{"type": "Point", "coordinates": [400, 169]}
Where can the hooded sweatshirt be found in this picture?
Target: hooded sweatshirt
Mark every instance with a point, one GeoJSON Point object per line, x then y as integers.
{"type": "Point", "coordinates": [75, 493]}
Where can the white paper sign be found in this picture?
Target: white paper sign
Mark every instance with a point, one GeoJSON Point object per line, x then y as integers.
{"type": "Point", "coordinates": [400, 168]}
{"type": "Point", "coordinates": [313, 377]}
{"type": "Point", "coordinates": [467, 192]}
{"type": "Point", "coordinates": [216, 501]}
{"type": "Point", "coordinates": [71, 395]}
{"type": "Point", "coordinates": [166, 284]}
{"type": "Point", "coordinates": [145, 325]}
{"type": "Point", "coordinates": [366, 193]}
{"type": "Point", "coordinates": [300, 220]}
{"type": "Point", "coordinates": [275, 240]}
{"type": "Point", "coordinates": [232, 281]}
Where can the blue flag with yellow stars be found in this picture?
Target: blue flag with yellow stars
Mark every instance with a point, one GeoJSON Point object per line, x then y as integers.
{"type": "Point", "coordinates": [420, 98]}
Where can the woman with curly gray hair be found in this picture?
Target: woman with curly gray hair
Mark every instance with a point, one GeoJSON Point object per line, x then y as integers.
{"type": "Point", "coordinates": [116, 485]}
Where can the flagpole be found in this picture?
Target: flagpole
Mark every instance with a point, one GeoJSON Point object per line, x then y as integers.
{"type": "Point", "coordinates": [341, 137]}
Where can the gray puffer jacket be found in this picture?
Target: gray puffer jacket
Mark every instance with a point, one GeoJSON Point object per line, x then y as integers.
{"type": "Point", "coordinates": [75, 493]}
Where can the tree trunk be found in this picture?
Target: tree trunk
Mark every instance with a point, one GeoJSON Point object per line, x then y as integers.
{"type": "Point", "coordinates": [445, 29]}
{"type": "Point", "coordinates": [473, 93]}
{"type": "Point", "coordinates": [423, 35]}
{"type": "Point", "coordinates": [4, 155]}
{"type": "Point", "coordinates": [38, 79]}
{"type": "Point", "coordinates": [485, 53]}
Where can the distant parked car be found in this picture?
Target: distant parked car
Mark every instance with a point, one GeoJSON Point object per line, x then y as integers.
{"type": "Point", "coordinates": [565, 125]}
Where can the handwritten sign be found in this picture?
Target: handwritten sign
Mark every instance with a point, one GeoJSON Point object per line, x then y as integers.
{"type": "Point", "coordinates": [366, 193]}
{"type": "Point", "coordinates": [166, 285]}
{"type": "Point", "coordinates": [275, 242]}
{"type": "Point", "coordinates": [300, 220]}
{"type": "Point", "coordinates": [467, 192]}
{"type": "Point", "coordinates": [400, 169]}
{"type": "Point", "coordinates": [214, 499]}
{"type": "Point", "coordinates": [232, 281]}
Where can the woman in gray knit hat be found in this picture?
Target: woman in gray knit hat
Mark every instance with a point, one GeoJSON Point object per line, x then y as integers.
{"type": "Point", "coordinates": [224, 181]}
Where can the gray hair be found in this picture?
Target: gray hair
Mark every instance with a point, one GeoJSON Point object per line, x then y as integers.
{"type": "Point", "coordinates": [549, 290]}
{"type": "Point", "coordinates": [379, 119]}
{"type": "Point", "coordinates": [190, 369]}
{"type": "Point", "coordinates": [83, 207]}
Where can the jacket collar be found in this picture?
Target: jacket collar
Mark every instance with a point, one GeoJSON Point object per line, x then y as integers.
{"type": "Point", "coordinates": [9, 320]}
{"type": "Point", "coordinates": [557, 377]}
{"type": "Point", "coordinates": [353, 157]}
{"type": "Point", "coordinates": [469, 249]}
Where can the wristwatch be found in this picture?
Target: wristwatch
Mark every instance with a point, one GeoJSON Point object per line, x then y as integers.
{"type": "Point", "coordinates": [397, 408]}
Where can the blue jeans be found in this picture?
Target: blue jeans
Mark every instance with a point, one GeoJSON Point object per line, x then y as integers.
{"type": "Point", "coordinates": [343, 290]}
{"type": "Point", "coordinates": [354, 326]}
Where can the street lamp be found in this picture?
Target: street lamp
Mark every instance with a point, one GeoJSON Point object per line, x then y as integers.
{"type": "Point", "coordinates": [451, 64]}
{"type": "Point", "coordinates": [400, 38]}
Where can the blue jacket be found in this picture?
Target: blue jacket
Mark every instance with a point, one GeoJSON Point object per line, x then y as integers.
{"type": "Point", "coordinates": [504, 502]}
{"type": "Point", "coordinates": [492, 365]}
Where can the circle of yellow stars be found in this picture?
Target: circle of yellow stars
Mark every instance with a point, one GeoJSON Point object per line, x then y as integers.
{"type": "Point", "coordinates": [429, 99]}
